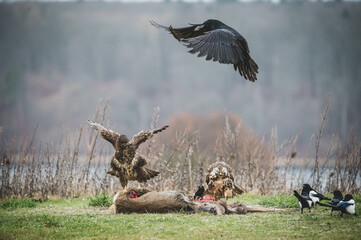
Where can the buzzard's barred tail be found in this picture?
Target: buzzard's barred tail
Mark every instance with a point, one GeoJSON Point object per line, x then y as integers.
{"type": "Point", "coordinates": [151, 173]}
{"type": "Point", "coordinates": [114, 173]}
{"type": "Point", "coordinates": [238, 189]}
{"type": "Point", "coordinates": [157, 25]}
{"type": "Point", "coordinates": [160, 129]}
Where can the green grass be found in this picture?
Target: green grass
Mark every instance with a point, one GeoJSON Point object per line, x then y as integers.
{"type": "Point", "coordinates": [101, 200]}
{"type": "Point", "coordinates": [280, 201]}
{"type": "Point", "coordinates": [17, 203]}
{"type": "Point", "coordinates": [75, 219]}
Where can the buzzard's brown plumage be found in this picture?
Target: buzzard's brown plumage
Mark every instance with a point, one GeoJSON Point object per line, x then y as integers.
{"type": "Point", "coordinates": [220, 181]}
{"type": "Point", "coordinates": [126, 164]}
{"type": "Point", "coordinates": [219, 42]}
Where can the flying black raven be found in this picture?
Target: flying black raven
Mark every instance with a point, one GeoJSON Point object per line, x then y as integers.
{"type": "Point", "coordinates": [219, 42]}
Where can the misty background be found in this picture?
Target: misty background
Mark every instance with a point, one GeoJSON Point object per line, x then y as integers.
{"type": "Point", "coordinates": [58, 61]}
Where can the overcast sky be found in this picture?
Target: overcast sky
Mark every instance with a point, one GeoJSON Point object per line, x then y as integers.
{"type": "Point", "coordinates": [141, 1]}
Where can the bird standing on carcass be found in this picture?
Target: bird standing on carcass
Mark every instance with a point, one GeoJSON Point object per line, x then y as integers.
{"type": "Point", "coordinates": [220, 181]}
{"type": "Point", "coordinates": [125, 164]}
{"type": "Point", "coordinates": [199, 194]}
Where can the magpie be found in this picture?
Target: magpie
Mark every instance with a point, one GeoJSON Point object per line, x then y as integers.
{"type": "Point", "coordinates": [346, 205]}
{"type": "Point", "coordinates": [304, 201]}
{"type": "Point", "coordinates": [216, 41]}
{"type": "Point", "coordinates": [199, 193]}
{"type": "Point", "coordinates": [337, 197]}
{"type": "Point", "coordinates": [305, 191]}
{"type": "Point", "coordinates": [315, 196]}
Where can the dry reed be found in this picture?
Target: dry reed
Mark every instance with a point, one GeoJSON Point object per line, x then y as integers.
{"type": "Point", "coordinates": [78, 164]}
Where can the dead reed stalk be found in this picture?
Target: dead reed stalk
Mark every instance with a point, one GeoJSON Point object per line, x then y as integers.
{"type": "Point", "coordinates": [316, 170]}
{"type": "Point", "coordinates": [71, 168]}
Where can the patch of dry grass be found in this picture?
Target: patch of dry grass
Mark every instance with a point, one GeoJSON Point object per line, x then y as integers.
{"type": "Point", "coordinates": [77, 166]}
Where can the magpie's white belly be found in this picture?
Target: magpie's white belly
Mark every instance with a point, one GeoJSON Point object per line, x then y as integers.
{"type": "Point", "coordinates": [351, 209]}
{"type": "Point", "coordinates": [314, 199]}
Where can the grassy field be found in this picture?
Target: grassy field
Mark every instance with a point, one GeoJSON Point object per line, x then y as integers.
{"type": "Point", "coordinates": [75, 219]}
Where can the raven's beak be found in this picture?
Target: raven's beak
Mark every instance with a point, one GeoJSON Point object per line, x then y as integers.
{"type": "Point", "coordinates": [199, 27]}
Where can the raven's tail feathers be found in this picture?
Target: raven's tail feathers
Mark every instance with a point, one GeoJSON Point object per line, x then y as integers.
{"type": "Point", "coordinates": [157, 25]}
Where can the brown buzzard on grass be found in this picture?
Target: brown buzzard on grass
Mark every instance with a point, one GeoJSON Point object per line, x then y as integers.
{"type": "Point", "coordinates": [125, 164]}
{"type": "Point", "coordinates": [220, 181]}
{"type": "Point", "coordinates": [219, 42]}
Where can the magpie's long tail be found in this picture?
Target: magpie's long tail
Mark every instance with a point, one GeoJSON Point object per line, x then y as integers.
{"type": "Point", "coordinates": [159, 129]}
{"type": "Point", "coordinates": [326, 205]}
{"type": "Point", "coordinates": [297, 195]}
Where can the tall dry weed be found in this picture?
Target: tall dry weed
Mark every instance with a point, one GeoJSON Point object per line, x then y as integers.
{"type": "Point", "coordinates": [78, 164]}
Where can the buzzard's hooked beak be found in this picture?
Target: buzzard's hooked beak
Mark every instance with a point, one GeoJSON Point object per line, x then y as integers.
{"type": "Point", "coordinates": [199, 27]}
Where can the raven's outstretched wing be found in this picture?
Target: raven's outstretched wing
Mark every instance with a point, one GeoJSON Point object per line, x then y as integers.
{"type": "Point", "coordinates": [226, 47]}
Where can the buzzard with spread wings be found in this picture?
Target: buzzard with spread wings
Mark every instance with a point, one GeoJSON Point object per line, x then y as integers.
{"type": "Point", "coordinates": [219, 42]}
{"type": "Point", "coordinates": [220, 181]}
{"type": "Point", "coordinates": [126, 164]}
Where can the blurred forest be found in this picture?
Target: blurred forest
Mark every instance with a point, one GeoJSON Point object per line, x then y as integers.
{"type": "Point", "coordinates": [58, 60]}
